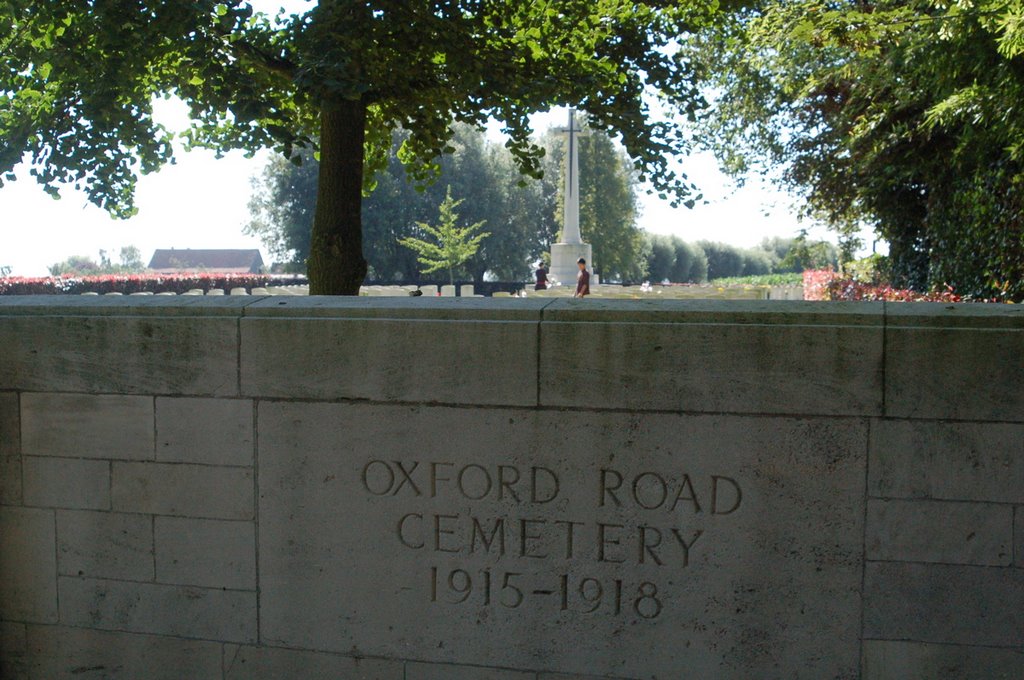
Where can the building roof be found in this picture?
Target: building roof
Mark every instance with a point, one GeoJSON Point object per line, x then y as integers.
{"type": "Point", "coordinates": [216, 260]}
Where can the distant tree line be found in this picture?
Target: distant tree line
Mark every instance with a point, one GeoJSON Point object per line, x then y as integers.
{"type": "Point", "coordinates": [129, 262]}
{"type": "Point", "coordinates": [523, 217]}
{"type": "Point", "coordinates": [670, 258]}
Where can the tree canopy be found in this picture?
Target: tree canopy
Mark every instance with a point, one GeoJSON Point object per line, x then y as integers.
{"type": "Point", "coordinates": [78, 80]}
{"type": "Point", "coordinates": [901, 115]}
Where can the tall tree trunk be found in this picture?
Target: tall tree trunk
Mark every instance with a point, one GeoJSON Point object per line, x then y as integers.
{"type": "Point", "coordinates": [336, 265]}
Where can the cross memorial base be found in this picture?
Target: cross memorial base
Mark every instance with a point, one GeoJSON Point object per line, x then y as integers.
{"type": "Point", "coordinates": [563, 262]}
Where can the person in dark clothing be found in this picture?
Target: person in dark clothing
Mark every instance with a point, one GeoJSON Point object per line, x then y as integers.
{"type": "Point", "coordinates": [542, 277]}
{"type": "Point", "coordinates": [582, 279]}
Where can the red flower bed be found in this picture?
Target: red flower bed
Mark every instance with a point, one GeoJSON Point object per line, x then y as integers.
{"type": "Point", "coordinates": [816, 283]}
{"type": "Point", "coordinates": [825, 284]}
{"type": "Point", "coordinates": [845, 289]}
{"type": "Point", "coordinates": [134, 283]}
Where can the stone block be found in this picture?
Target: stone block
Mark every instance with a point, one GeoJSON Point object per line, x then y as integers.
{"type": "Point", "coordinates": [12, 638]}
{"type": "Point", "coordinates": [182, 490]}
{"type": "Point", "coordinates": [10, 424]}
{"type": "Point", "coordinates": [59, 653]}
{"type": "Point", "coordinates": [375, 348]}
{"type": "Point", "coordinates": [435, 671]}
{"type": "Point", "coordinates": [120, 354]}
{"type": "Point", "coordinates": [896, 660]}
{"type": "Point", "coordinates": [66, 483]}
{"type": "Point", "coordinates": [938, 354]}
{"type": "Point", "coordinates": [425, 360]}
{"type": "Point", "coordinates": [759, 358]}
{"type": "Point", "coordinates": [950, 461]}
{"type": "Point", "coordinates": [950, 604]}
{"type": "Point", "coordinates": [10, 480]}
{"type": "Point", "coordinates": [268, 663]}
{"type": "Point", "coordinates": [13, 651]}
{"type": "Point", "coordinates": [728, 546]}
{"type": "Point", "coordinates": [566, 676]}
{"type": "Point", "coordinates": [105, 545]}
{"type": "Point", "coordinates": [208, 431]}
{"type": "Point", "coordinates": [206, 613]}
{"type": "Point", "coordinates": [10, 449]}
{"type": "Point", "coordinates": [28, 565]}
{"type": "Point", "coordinates": [87, 426]}
{"type": "Point", "coordinates": [412, 309]}
{"type": "Point", "coordinates": [205, 552]}
{"type": "Point", "coordinates": [940, 531]}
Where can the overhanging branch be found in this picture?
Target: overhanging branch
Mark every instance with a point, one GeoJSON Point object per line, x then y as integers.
{"type": "Point", "coordinates": [282, 68]}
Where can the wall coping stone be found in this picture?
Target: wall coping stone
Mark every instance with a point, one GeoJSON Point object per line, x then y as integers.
{"type": "Point", "coordinates": [761, 312]}
{"type": "Point", "coordinates": [786, 312]}
{"type": "Point", "coordinates": [436, 308]}
{"type": "Point", "coordinates": [73, 305]}
{"type": "Point", "coordinates": [943, 315]}
{"type": "Point", "coordinates": [885, 359]}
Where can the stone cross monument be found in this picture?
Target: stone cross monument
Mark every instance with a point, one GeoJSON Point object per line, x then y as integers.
{"type": "Point", "coordinates": [570, 246]}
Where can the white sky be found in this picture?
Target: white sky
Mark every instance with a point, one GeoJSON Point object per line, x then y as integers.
{"type": "Point", "coordinates": [202, 202]}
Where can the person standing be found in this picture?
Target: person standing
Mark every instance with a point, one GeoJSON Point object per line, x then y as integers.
{"type": "Point", "coordinates": [582, 279]}
{"type": "Point", "coordinates": [542, 277]}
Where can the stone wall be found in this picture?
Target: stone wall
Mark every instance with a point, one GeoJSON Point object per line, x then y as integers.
{"type": "Point", "coordinates": [467, 489]}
